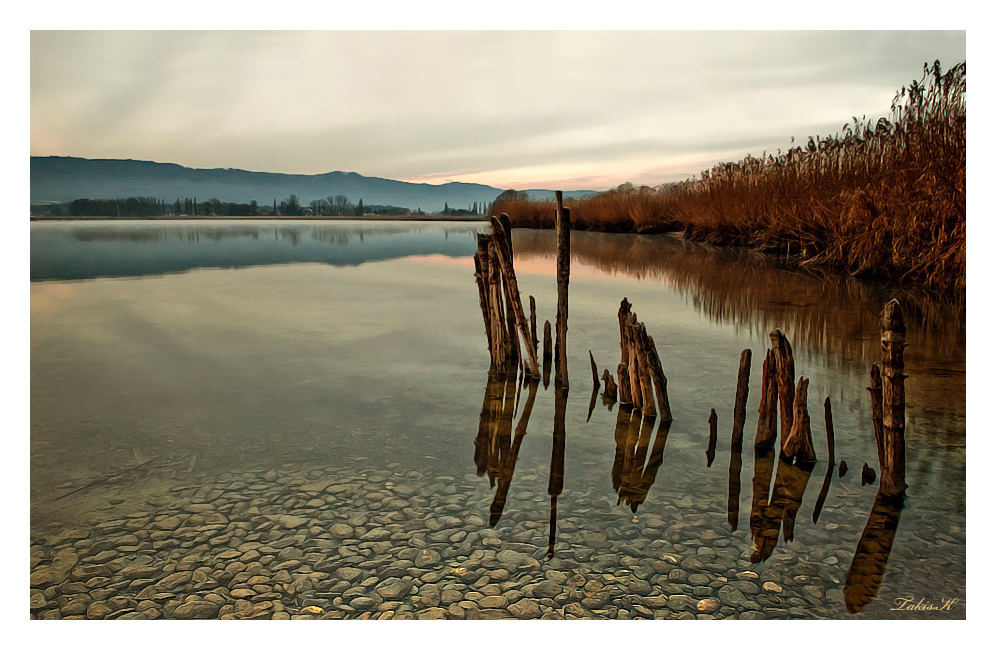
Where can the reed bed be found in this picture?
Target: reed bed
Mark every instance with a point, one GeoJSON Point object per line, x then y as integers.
{"type": "Point", "coordinates": [882, 198]}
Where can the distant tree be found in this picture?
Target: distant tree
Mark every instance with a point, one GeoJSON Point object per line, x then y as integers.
{"type": "Point", "coordinates": [359, 208]}
{"type": "Point", "coordinates": [341, 205]}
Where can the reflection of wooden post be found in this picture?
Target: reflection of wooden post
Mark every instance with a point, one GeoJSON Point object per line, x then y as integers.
{"type": "Point", "coordinates": [763, 525]}
{"type": "Point", "coordinates": [733, 501]}
{"type": "Point", "coordinates": [711, 451]}
{"type": "Point", "coordinates": [828, 418]}
{"type": "Point", "coordinates": [556, 485]}
{"type": "Point", "coordinates": [864, 577]}
{"type": "Point", "coordinates": [508, 466]}
{"type": "Point", "coordinates": [798, 444]}
{"type": "Point", "coordinates": [623, 417]}
{"type": "Point", "coordinates": [740, 402]}
{"type": "Point", "coordinates": [785, 375]}
{"type": "Point", "coordinates": [893, 461]}
{"type": "Point", "coordinates": [563, 278]}
{"type": "Point", "coordinates": [503, 241]}
{"type": "Point", "coordinates": [767, 412]}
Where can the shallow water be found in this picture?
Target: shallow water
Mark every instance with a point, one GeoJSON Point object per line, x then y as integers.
{"type": "Point", "coordinates": [248, 419]}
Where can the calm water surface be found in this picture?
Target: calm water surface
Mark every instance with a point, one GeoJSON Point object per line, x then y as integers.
{"type": "Point", "coordinates": [290, 419]}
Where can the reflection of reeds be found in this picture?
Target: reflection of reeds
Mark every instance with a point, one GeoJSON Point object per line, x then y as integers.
{"type": "Point", "coordinates": [833, 317]}
{"type": "Point", "coordinates": [883, 197]}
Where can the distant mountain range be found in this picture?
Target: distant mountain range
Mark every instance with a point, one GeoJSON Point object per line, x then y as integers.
{"type": "Point", "coordinates": [57, 179]}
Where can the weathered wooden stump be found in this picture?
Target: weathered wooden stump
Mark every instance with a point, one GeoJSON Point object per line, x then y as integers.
{"type": "Point", "coordinates": [767, 412]}
{"type": "Point", "coordinates": [798, 444]}
{"type": "Point", "coordinates": [892, 463]}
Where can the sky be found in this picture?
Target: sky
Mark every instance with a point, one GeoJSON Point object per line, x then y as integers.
{"type": "Point", "coordinates": [512, 109]}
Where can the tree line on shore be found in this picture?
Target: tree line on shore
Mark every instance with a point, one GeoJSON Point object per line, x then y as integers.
{"type": "Point", "coordinates": [148, 207]}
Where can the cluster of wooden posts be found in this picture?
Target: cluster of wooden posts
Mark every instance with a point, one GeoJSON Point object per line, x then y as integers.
{"type": "Point", "coordinates": [785, 400]}
{"type": "Point", "coordinates": [501, 304]}
{"type": "Point", "coordinates": [641, 376]}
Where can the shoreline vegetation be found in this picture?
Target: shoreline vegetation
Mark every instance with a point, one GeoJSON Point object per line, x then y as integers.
{"type": "Point", "coordinates": [881, 199]}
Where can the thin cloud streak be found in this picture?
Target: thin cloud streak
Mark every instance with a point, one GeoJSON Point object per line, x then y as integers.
{"type": "Point", "coordinates": [510, 109]}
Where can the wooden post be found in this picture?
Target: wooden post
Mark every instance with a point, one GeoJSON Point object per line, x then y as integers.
{"type": "Point", "coordinates": [594, 372]}
{"type": "Point", "coordinates": [798, 444]}
{"type": "Point", "coordinates": [711, 451]}
{"type": "Point", "coordinates": [660, 380]}
{"type": "Point", "coordinates": [610, 386]}
{"type": "Point", "coordinates": [639, 334]}
{"type": "Point", "coordinates": [481, 274]}
{"type": "Point", "coordinates": [547, 353]}
{"type": "Point", "coordinates": [785, 374]}
{"type": "Point", "coordinates": [563, 278]}
{"type": "Point", "coordinates": [503, 240]}
{"type": "Point", "coordinates": [893, 465]}
{"type": "Point", "coordinates": [767, 412]}
{"type": "Point", "coordinates": [496, 311]}
{"type": "Point", "coordinates": [532, 324]}
{"type": "Point", "coordinates": [740, 403]}
{"type": "Point", "coordinates": [623, 369]}
{"type": "Point", "coordinates": [633, 364]}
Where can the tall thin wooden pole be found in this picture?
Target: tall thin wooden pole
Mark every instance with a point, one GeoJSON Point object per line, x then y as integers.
{"type": "Point", "coordinates": [767, 412]}
{"type": "Point", "coordinates": [893, 469]}
{"type": "Point", "coordinates": [563, 278]}
{"type": "Point", "coordinates": [740, 402]}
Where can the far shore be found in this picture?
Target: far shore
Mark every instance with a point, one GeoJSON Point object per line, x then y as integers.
{"type": "Point", "coordinates": [366, 217]}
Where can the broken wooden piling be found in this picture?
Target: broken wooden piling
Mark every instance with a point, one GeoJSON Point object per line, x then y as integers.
{"type": "Point", "coordinates": [767, 412]}
{"type": "Point", "coordinates": [502, 239]}
{"type": "Point", "coordinates": [798, 444]}
{"type": "Point", "coordinates": [641, 376]}
{"type": "Point", "coordinates": [740, 402]}
{"type": "Point", "coordinates": [785, 377]}
{"type": "Point", "coordinates": [611, 390]}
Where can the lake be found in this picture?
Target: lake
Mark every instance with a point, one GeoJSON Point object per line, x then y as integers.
{"type": "Point", "coordinates": [255, 419]}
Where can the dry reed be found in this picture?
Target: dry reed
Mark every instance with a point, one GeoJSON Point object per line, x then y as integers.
{"type": "Point", "coordinates": [883, 198]}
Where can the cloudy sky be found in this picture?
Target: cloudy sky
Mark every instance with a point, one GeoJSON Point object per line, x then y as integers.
{"type": "Point", "coordinates": [566, 110]}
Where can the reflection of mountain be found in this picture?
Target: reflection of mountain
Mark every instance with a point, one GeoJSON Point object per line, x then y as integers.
{"type": "Point", "coordinates": [73, 252]}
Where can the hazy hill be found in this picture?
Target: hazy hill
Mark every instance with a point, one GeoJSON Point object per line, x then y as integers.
{"type": "Point", "coordinates": [61, 179]}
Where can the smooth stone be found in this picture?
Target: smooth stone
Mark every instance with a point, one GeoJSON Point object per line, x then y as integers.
{"type": "Point", "coordinates": [98, 610]}
{"type": "Point", "coordinates": [493, 602]}
{"type": "Point", "coordinates": [546, 589]}
{"type": "Point", "coordinates": [707, 605]}
{"type": "Point", "coordinates": [432, 613]}
{"type": "Point", "coordinates": [488, 615]}
{"type": "Point", "coordinates": [394, 588]}
{"type": "Point", "coordinates": [57, 571]}
{"type": "Point", "coordinates": [772, 587]}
